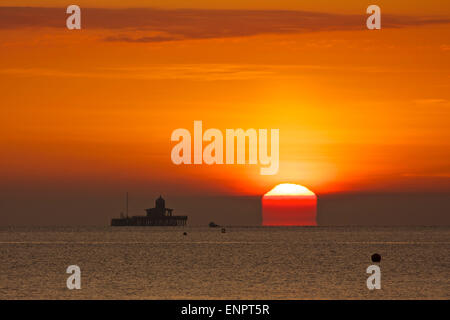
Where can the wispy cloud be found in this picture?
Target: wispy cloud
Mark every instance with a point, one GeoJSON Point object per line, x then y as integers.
{"type": "Point", "coordinates": [196, 72]}
{"type": "Point", "coordinates": [199, 72]}
{"type": "Point", "coordinates": [181, 24]}
{"type": "Point", "coordinates": [124, 38]}
{"type": "Point", "coordinates": [428, 175]}
{"type": "Point", "coordinates": [432, 101]}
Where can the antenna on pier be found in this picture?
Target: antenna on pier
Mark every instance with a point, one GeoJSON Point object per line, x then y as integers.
{"type": "Point", "coordinates": [127, 205]}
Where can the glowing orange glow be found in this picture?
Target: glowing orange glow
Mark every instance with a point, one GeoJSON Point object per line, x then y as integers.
{"type": "Point", "coordinates": [289, 205]}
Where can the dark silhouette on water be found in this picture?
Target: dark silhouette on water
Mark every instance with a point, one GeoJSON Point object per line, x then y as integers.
{"type": "Point", "coordinates": [376, 257]}
{"type": "Point", "coordinates": [213, 225]}
{"type": "Point", "coordinates": [157, 216]}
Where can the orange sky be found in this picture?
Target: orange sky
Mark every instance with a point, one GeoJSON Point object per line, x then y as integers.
{"type": "Point", "coordinates": [357, 110]}
{"type": "Point", "coordinates": [415, 7]}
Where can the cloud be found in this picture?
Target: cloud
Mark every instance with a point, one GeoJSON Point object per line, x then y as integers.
{"type": "Point", "coordinates": [431, 101]}
{"type": "Point", "coordinates": [182, 24]}
{"type": "Point", "coordinates": [426, 175]}
{"type": "Point", "coordinates": [196, 72]}
{"type": "Point", "coordinates": [123, 38]}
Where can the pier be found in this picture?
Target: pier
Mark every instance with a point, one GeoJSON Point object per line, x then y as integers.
{"type": "Point", "coordinates": [157, 216]}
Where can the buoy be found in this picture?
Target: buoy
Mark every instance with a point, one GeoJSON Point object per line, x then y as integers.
{"type": "Point", "coordinates": [376, 257]}
{"type": "Point", "coordinates": [223, 230]}
{"type": "Point", "coordinates": [184, 233]}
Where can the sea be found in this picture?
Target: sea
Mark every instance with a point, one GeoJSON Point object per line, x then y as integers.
{"type": "Point", "coordinates": [240, 263]}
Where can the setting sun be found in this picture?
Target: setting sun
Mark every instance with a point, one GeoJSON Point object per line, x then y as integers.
{"type": "Point", "coordinates": [289, 204]}
{"type": "Point", "coordinates": [290, 189]}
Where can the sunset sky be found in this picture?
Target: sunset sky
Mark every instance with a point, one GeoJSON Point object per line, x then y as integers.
{"type": "Point", "coordinates": [94, 109]}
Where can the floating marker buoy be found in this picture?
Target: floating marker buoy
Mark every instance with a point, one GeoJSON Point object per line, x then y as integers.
{"type": "Point", "coordinates": [184, 233]}
{"type": "Point", "coordinates": [376, 257]}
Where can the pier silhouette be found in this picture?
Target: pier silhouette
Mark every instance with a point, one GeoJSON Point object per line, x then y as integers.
{"type": "Point", "coordinates": [157, 216]}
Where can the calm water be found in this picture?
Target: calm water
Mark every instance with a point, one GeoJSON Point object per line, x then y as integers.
{"type": "Point", "coordinates": [244, 263]}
